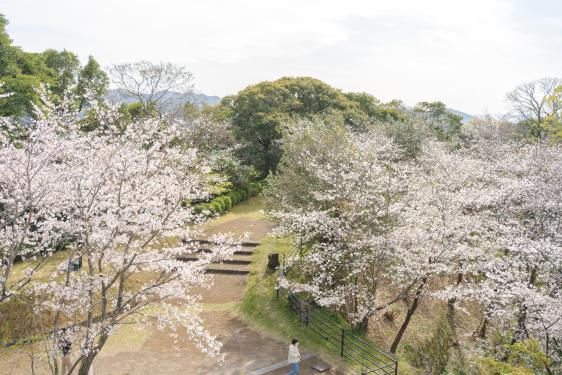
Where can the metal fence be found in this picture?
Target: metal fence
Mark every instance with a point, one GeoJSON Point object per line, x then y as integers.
{"type": "Point", "coordinates": [371, 359]}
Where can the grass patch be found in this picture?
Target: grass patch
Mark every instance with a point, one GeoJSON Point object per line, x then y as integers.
{"type": "Point", "coordinates": [49, 266]}
{"type": "Point", "coordinates": [261, 308]}
{"type": "Point", "coordinates": [250, 209]}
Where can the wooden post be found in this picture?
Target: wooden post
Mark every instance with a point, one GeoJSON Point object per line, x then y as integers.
{"type": "Point", "coordinates": [342, 340]}
{"type": "Point", "coordinates": [273, 261]}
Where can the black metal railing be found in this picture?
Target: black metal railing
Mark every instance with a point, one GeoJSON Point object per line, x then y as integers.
{"type": "Point", "coordinates": [371, 359]}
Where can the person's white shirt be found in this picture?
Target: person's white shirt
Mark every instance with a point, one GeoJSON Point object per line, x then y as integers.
{"type": "Point", "coordinates": [294, 355]}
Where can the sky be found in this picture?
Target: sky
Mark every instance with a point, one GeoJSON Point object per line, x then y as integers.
{"type": "Point", "coordinates": [466, 53]}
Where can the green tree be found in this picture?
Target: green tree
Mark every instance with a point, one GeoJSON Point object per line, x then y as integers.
{"type": "Point", "coordinates": [23, 96]}
{"type": "Point", "coordinates": [64, 66]}
{"type": "Point", "coordinates": [23, 73]}
{"type": "Point", "coordinates": [373, 108]}
{"type": "Point", "coordinates": [91, 79]}
{"type": "Point", "coordinates": [553, 122]}
{"type": "Point", "coordinates": [18, 76]}
{"type": "Point", "coordinates": [8, 63]}
{"type": "Point", "coordinates": [137, 111]}
{"type": "Point", "coordinates": [259, 111]}
{"type": "Point", "coordinates": [446, 124]}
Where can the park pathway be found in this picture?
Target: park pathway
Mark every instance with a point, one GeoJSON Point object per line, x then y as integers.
{"type": "Point", "coordinates": [148, 351]}
{"type": "Point", "coordinates": [244, 347]}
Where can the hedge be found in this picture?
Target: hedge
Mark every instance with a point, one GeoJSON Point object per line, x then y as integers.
{"type": "Point", "coordinates": [226, 201]}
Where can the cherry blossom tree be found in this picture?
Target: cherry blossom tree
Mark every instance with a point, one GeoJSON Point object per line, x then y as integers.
{"type": "Point", "coordinates": [436, 238]}
{"type": "Point", "coordinates": [116, 195]}
{"type": "Point", "coordinates": [340, 195]}
{"type": "Point", "coordinates": [479, 223]}
{"type": "Point", "coordinates": [29, 193]}
{"type": "Point", "coordinates": [518, 276]}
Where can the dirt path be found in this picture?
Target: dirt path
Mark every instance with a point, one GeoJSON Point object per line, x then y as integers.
{"type": "Point", "coordinates": [151, 352]}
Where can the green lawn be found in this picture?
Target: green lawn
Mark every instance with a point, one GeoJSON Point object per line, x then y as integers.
{"type": "Point", "coordinates": [261, 308]}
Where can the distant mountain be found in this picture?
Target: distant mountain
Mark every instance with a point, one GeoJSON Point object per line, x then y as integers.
{"type": "Point", "coordinates": [120, 96]}
{"type": "Point", "coordinates": [465, 116]}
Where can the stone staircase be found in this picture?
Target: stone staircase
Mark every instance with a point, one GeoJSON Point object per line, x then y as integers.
{"type": "Point", "coordinates": [237, 264]}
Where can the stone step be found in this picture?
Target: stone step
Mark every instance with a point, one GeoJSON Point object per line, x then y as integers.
{"type": "Point", "coordinates": [208, 242]}
{"type": "Point", "coordinates": [246, 251]}
{"type": "Point", "coordinates": [235, 259]}
{"type": "Point", "coordinates": [228, 269]}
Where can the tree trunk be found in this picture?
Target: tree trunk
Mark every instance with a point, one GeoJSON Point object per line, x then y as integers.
{"type": "Point", "coordinates": [409, 314]}
{"type": "Point", "coordinates": [87, 361]}
{"type": "Point", "coordinates": [86, 364]}
{"type": "Point", "coordinates": [521, 332]}
{"type": "Point", "coordinates": [452, 325]}
{"type": "Point", "coordinates": [481, 332]}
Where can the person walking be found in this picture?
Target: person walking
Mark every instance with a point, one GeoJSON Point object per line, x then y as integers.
{"type": "Point", "coordinates": [294, 357]}
{"type": "Point", "coordinates": [64, 345]}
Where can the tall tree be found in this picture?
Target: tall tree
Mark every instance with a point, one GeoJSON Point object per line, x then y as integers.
{"type": "Point", "coordinates": [446, 124]}
{"type": "Point", "coordinates": [529, 103]}
{"type": "Point", "coordinates": [24, 74]}
{"type": "Point", "coordinates": [92, 80]}
{"type": "Point", "coordinates": [30, 193]}
{"type": "Point", "coordinates": [65, 68]}
{"type": "Point", "coordinates": [116, 195]}
{"type": "Point", "coordinates": [340, 194]}
{"type": "Point", "coordinates": [161, 86]}
{"type": "Point", "coordinates": [259, 112]}
{"type": "Point", "coordinates": [8, 64]}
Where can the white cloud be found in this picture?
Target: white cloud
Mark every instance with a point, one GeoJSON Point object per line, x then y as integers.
{"type": "Point", "coordinates": [466, 53]}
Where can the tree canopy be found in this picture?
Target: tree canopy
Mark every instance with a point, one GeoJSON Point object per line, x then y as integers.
{"type": "Point", "coordinates": [537, 104]}
{"type": "Point", "coordinates": [23, 73]}
{"type": "Point", "coordinates": [258, 112]}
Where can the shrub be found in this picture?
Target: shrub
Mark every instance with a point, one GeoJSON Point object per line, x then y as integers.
{"type": "Point", "coordinates": [209, 208]}
{"type": "Point", "coordinates": [433, 353]}
{"type": "Point", "coordinates": [528, 354]}
{"type": "Point", "coordinates": [198, 208]}
{"type": "Point", "coordinates": [253, 189]}
{"type": "Point", "coordinates": [235, 197]}
{"type": "Point", "coordinates": [391, 315]}
{"type": "Point", "coordinates": [215, 207]}
{"type": "Point", "coordinates": [218, 203]}
{"type": "Point", "coordinates": [222, 203]}
{"type": "Point", "coordinates": [227, 202]}
{"type": "Point", "coordinates": [232, 199]}
{"type": "Point", "coordinates": [243, 194]}
{"type": "Point", "coordinates": [491, 366]}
